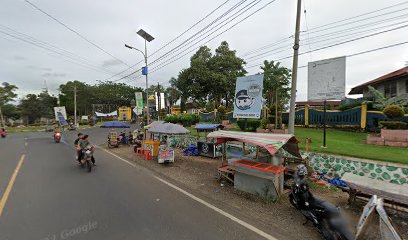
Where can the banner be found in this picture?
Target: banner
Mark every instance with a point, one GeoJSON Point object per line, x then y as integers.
{"type": "Point", "coordinates": [61, 115]}
{"type": "Point", "coordinates": [248, 96]}
{"type": "Point", "coordinates": [326, 79]}
{"type": "Point", "coordinates": [139, 103]}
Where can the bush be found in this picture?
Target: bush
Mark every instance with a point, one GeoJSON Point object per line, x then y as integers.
{"type": "Point", "coordinates": [186, 119]}
{"type": "Point", "coordinates": [393, 111]}
{"type": "Point", "coordinates": [264, 123]}
{"type": "Point", "coordinates": [351, 105]}
{"type": "Point", "coordinates": [393, 124]}
{"type": "Point", "coordinates": [251, 124]}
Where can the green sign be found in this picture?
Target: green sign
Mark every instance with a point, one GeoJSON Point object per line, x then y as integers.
{"type": "Point", "coordinates": [139, 102]}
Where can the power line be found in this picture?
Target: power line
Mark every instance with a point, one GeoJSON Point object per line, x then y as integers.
{"type": "Point", "coordinates": [165, 64]}
{"type": "Point", "coordinates": [204, 28]}
{"type": "Point", "coordinates": [75, 61]}
{"type": "Point", "coordinates": [50, 46]}
{"type": "Point", "coordinates": [332, 23]}
{"type": "Point", "coordinates": [324, 37]}
{"type": "Point", "coordinates": [168, 43]}
{"type": "Point", "coordinates": [74, 31]}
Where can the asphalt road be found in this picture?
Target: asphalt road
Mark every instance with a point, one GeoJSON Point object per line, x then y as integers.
{"type": "Point", "coordinates": [53, 198]}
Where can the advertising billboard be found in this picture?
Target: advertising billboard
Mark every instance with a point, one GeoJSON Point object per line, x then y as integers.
{"type": "Point", "coordinates": [248, 96]}
{"type": "Point", "coordinates": [327, 79]}
{"type": "Point", "coordinates": [61, 115]}
{"type": "Point", "coordinates": [139, 103]}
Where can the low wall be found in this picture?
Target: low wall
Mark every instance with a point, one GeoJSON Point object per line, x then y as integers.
{"type": "Point", "coordinates": [335, 166]}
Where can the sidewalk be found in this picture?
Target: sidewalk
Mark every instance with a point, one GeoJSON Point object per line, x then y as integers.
{"type": "Point", "coordinates": [199, 176]}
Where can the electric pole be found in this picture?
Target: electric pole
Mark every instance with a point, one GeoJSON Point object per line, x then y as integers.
{"type": "Point", "coordinates": [75, 106]}
{"type": "Point", "coordinates": [294, 70]}
{"type": "Point", "coordinates": [2, 119]}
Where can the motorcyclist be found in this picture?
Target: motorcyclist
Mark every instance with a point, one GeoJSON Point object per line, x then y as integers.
{"type": "Point", "coordinates": [82, 144]}
{"type": "Point", "coordinates": [301, 187]}
{"type": "Point", "coordinates": [3, 132]}
{"type": "Point", "coordinates": [56, 130]}
{"type": "Point", "coordinates": [76, 143]}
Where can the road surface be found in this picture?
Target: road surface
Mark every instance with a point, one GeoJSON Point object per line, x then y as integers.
{"type": "Point", "coordinates": [52, 198]}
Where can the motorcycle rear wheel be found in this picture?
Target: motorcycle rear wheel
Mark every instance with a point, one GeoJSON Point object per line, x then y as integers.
{"type": "Point", "coordinates": [89, 165]}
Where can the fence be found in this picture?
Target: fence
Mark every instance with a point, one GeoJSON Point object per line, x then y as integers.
{"type": "Point", "coordinates": [214, 116]}
{"type": "Point", "coordinates": [357, 117]}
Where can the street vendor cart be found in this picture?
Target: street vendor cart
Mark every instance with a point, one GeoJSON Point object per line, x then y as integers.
{"type": "Point", "coordinates": [113, 135]}
{"type": "Point", "coordinates": [165, 153]}
{"type": "Point", "coordinates": [205, 146]}
{"type": "Point", "coordinates": [260, 166]}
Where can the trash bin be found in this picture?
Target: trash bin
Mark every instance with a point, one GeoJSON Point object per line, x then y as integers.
{"type": "Point", "coordinates": [153, 146]}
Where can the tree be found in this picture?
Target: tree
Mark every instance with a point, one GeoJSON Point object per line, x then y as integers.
{"type": "Point", "coordinates": [276, 86]}
{"type": "Point", "coordinates": [172, 93]}
{"type": "Point", "coordinates": [47, 104]}
{"type": "Point", "coordinates": [85, 96]}
{"type": "Point", "coordinates": [30, 107]}
{"type": "Point", "coordinates": [7, 94]}
{"type": "Point", "coordinates": [380, 101]}
{"type": "Point", "coordinates": [226, 67]}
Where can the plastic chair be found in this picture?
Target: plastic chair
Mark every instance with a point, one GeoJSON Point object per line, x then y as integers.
{"type": "Point", "coordinates": [148, 155]}
{"type": "Point", "coordinates": [139, 151]}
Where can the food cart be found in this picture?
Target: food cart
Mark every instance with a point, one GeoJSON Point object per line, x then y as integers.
{"type": "Point", "coordinates": [165, 153]}
{"type": "Point", "coordinates": [113, 135]}
{"type": "Point", "coordinates": [207, 148]}
{"type": "Point", "coordinates": [259, 168]}
{"type": "Point", "coordinates": [147, 127]}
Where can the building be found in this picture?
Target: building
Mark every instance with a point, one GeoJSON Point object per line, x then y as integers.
{"type": "Point", "coordinates": [318, 104]}
{"type": "Point", "coordinates": [390, 85]}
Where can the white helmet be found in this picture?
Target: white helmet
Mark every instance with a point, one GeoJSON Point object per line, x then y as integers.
{"type": "Point", "coordinates": [301, 170]}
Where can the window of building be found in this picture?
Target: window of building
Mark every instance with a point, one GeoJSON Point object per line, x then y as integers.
{"type": "Point", "coordinates": [406, 86]}
{"type": "Point", "coordinates": [390, 89]}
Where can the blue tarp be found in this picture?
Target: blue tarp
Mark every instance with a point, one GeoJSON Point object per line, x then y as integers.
{"type": "Point", "coordinates": [207, 126]}
{"type": "Point", "coordinates": [115, 124]}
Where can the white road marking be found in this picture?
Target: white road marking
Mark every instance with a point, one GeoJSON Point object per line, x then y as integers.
{"type": "Point", "coordinates": [120, 158]}
{"type": "Point", "coordinates": [225, 214]}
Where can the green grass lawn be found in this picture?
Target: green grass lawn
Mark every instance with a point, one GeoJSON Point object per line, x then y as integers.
{"type": "Point", "coordinates": [350, 144]}
{"type": "Point", "coordinates": [25, 129]}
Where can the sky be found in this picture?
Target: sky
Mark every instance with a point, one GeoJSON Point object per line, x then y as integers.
{"type": "Point", "coordinates": [95, 51]}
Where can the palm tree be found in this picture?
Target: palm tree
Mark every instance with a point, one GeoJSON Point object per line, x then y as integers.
{"type": "Point", "coordinates": [380, 101]}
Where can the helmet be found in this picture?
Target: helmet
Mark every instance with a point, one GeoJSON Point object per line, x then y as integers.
{"type": "Point", "coordinates": [301, 170]}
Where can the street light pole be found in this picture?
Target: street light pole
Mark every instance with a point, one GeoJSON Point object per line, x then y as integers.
{"type": "Point", "coordinates": [148, 38]}
{"type": "Point", "coordinates": [147, 85]}
{"type": "Point", "coordinates": [294, 71]}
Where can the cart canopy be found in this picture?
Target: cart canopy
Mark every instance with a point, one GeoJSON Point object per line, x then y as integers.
{"type": "Point", "coordinates": [169, 129]}
{"type": "Point", "coordinates": [271, 142]}
{"type": "Point", "coordinates": [207, 127]}
{"type": "Point", "coordinates": [115, 124]}
{"type": "Point", "coordinates": [154, 123]}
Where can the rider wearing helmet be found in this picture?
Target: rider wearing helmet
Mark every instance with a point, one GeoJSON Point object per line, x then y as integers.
{"type": "Point", "coordinates": [302, 186]}
{"type": "Point", "coordinates": [82, 144]}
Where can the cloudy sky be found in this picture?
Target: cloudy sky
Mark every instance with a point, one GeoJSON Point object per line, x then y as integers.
{"type": "Point", "coordinates": [36, 49]}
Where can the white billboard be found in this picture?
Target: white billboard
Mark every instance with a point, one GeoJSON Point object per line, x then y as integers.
{"type": "Point", "coordinates": [248, 97]}
{"type": "Point", "coordinates": [60, 112]}
{"type": "Point", "coordinates": [327, 79]}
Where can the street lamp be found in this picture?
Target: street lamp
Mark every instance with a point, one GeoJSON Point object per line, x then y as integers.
{"type": "Point", "coordinates": [148, 38]}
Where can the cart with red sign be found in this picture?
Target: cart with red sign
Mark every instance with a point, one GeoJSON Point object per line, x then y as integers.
{"type": "Point", "coordinates": [260, 171]}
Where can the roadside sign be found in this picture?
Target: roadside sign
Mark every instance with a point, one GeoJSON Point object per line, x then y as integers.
{"type": "Point", "coordinates": [248, 97]}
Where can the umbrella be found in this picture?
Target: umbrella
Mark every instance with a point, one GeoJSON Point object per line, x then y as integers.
{"type": "Point", "coordinates": [153, 124]}
{"type": "Point", "coordinates": [115, 124]}
{"type": "Point", "coordinates": [168, 128]}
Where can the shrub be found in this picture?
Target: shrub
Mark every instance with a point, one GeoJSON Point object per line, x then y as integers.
{"type": "Point", "coordinates": [351, 105]}
{"type": "Point", "coordinates": [251, 124]}
{"type": "Point", "coordinates": [264, 123]}
{"type": "Point", "coordinates": [186, 119]}
{"type": "Point", "coordinates": [393, 111]}
{"type": "Point", "coordinates": [393, 124]}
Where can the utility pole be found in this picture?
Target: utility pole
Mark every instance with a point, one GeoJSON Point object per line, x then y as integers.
{"type": "Point", "coordinates": [158, 101]}
{"type": "Point", "coordinates": [75, 106]}
{"type": "Point", "coordinates": [2, 119]}
{"type": "Point", "coordinates": [294, 70]}
{"type": "Point", "coordinates": [172, 97]}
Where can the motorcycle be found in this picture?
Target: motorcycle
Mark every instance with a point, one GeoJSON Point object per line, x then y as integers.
{"type": "Point", "coordinates": [325, 216]}
{"type": "Point", "coordinates": [57, 137]}
{"type": "Point", "coordinates": [86, 158]}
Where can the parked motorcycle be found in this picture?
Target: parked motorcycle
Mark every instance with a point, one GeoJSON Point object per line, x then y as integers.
{"type": "Point", "coordinates": [87, 156]}
{"type": "Point", "coordinates": [57, 137]}
{"type": "Point", "coordinates": [325, 216]}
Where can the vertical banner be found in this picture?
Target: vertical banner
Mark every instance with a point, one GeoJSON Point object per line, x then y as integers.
{"type": "Point", "coordinates": [162, 101]}
{"type": "Point", "coordinates": [61, 115]}
{"type": "Point", "coordinates": [248, 97]}
{"type": "Point", "coordinates": [139, 102]}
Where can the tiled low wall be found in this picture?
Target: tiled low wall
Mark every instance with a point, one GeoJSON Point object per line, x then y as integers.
{"type": "Point", "coordinates": [336, 166]}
